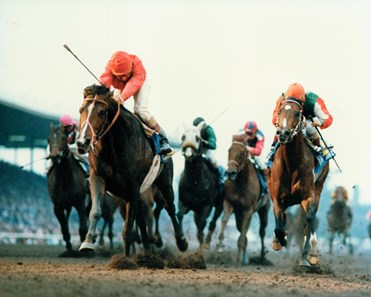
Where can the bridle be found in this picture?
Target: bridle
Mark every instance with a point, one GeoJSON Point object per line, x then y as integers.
{"type": "Point", "coordinates": [102, 131]}
{"type": "Point", "coordinates": [65, 152]}
{"type": "Point", "coordinates": [291, 133]}
{"type": "Point", "coordinates": [239, 166]}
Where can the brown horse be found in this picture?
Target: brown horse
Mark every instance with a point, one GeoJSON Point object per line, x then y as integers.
{"type": "Point", "coordinates": [339, 218]}
{"type": "Point", "coordinates": [199, 187]}
{"type": "Point", "coordinates": [66, 184]}
{"type": "Point", "coordinates": [292, 180]}
{"type": "Point", "coordinates": [120, 156]}
{"type": "Point", "coordinates": [243, 197]}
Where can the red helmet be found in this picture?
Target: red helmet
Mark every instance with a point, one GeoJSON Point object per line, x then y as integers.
{"type": "Point", "coordinates": [251, 127]}
{"type": "Point", "coordinates": [121, 63]}
{"type": "Point", "coordinates": [66, 120]}
{"type": "Point", "coordinates": [296, 91]}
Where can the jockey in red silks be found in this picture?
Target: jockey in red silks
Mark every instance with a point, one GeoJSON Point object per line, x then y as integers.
{"type": "Point", "coordinates": [70, 128]}
{"type": "Point", "coordinates": [126, 73]}
{"type": "Point", "coordinates": [314, 110]}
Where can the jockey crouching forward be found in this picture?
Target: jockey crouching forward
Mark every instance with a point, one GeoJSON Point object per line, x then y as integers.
{"type": "Point", "coordinates": [254, 145]}
{"type": "Point", "coordinates": [127, 75]}
{"type": "Point", "coordinates": [315, 112]}
{"type": "Point", "coordinates": [208, 139]}
{"type": "Point", "coordinates": [70, 130]}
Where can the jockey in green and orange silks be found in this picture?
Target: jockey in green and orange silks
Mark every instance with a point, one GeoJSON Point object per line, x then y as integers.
{"type": "Point", "coordinates": [314, 111]}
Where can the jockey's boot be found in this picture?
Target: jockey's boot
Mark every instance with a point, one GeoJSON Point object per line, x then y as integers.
{"type": "Point", "coordinates": [165, 148]}
{"type": "Point", "coordinates": [317, 145]}
{"type": "Point", "coordinates": [270, 155]}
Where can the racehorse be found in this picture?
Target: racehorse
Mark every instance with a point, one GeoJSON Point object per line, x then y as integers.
{"type": "Point", "coordinates": [199, 187]}
{"type": "Point", "coordinates": [339, 218]}
{"type": "Point", "coordinates": [120, 156]}
{"type": "Point", "coordinates": [66, 184]}
{"type": "Point", "coordinates": [243, 196]}
{"type": "Point", "coordinates": [292, 180]}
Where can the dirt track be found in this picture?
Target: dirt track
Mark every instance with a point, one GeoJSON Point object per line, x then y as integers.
{"type": "Point", "coordinates": [38, 271]}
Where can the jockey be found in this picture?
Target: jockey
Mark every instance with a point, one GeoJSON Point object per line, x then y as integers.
{"type": "Point", "coordinates": [208, 139]}
{"type": "Point", "coordinates": [314, 111]}
{"type": "Point", "coordinates": [127, 75]}
{"type": "Point", "coordinates": [254, 145]}
{"type": "Point", "coordinates": [70, 130]}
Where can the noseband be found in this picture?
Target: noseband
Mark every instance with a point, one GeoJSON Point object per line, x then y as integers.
{"type": "Point", "coordinates": [101, 132]}
{"type": "Point", "coordinates": [299, 126]}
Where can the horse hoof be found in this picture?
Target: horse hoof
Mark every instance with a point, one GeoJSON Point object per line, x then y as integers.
{"type": "Point", "coordinates": [276, 245]}
{"type": "Point", "coordinates": [304, 263]}
{"type": "Point", "coordinates": [159, 243]}
{"type": "Point", "coordinates": [86, 246]}
{"type": "Point", "coordinates": [182, 244]}
{"type": "Point", "coordinates": [313, 259]}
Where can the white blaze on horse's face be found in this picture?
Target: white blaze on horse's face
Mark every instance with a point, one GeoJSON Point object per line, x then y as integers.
{"type": "Point", "coordinates": [191, 142]}
{"type": "Point", "coordinates": [85, 125]}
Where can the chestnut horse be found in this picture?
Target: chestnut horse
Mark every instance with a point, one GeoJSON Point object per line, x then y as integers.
{"type": "Point", "coordinates": [242, 195]}
{"type": "Point", "coordinates": [66, 184]}
{"type": "Point", "coordinates": [292, 180]}
{"type": "Point", "coordinates": [199, 187]}
{"type": "Point", "coordinates": [120, 156]}
{"type": "Point", "coordinates": [339, 218]}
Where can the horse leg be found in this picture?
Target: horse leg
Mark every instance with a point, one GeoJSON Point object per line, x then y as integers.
{"type": "Point", "coordinates": [331, 241]}
{"type": "Point", "coordinates": [263, 217]}
{"type": "Point", "coordinates": [128, 233]}
{"type": "Point", "coordinates": [159, 206]}
{"type": "Point", "coordinates": [63, 221]}
{"type": "Point", "coordinates": [228, 210]}
{"type": "Point", "coordinates": [310, 255]}
{"type": "Point", "coordinates": [212, 225]}
{"type": "Point", "coordinates": [178, 224]}
{"type": "Point", "coordinates": [141, 221]}
{"type": "Point", "coordinates": [200, 220]}
{"type": "Point", "coordinates": [244, 221]}
{"type": "Point", "coordinates": [83, 228]}
{"type": "Point", "coordinates": [279, 240]}
{"type": "Point", "coordinates": [97, 189]}
{"type": "Point", "coordinates": [101, 234]}
{"type": "Point", "coordinates": [348, 239]}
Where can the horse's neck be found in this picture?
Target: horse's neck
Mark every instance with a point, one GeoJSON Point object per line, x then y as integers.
{"type": "Point", "coordinates": [293, 152]}
{"type": "Point", "coordinates": [195, 166]}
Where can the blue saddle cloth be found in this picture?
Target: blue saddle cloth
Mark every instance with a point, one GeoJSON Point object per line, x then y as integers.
{"type": "Point", "coordinates": [263, 183]}
{"type": "Point", "coordinates": [320, 159]}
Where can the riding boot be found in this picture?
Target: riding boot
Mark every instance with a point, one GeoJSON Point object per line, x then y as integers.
{"type": "Point", "coordinates": [270, 155]}
{"type": "Point", "coordinates": [165, 148]}
{"type": "Point", "coordinates": [317, 145]}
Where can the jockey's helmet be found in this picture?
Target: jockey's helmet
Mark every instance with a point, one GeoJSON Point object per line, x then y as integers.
{"type": "Point", "coordinates": [120, 63]}
{"type": "Point", "coordinates": [296, 91]}
{"type": "Point", "coordinates": [66, 120]}
{"type": "Point", "coordinates": [197, 121]}
{"type": "Point", "coordinates": [251, 127]}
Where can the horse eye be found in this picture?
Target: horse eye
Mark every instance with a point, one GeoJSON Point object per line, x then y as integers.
{"type": "Point", "coordinates": [102, 113]}
{"type": "Point", "coordinates": [297, 114]}
{"type": "Point", "coordinates": [197, 138]}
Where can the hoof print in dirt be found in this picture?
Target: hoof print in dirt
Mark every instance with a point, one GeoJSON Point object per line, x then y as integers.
{"type": "Point", "coordinates": [122, 262]}
{"type": "Point", "coordinates": [150, 261]}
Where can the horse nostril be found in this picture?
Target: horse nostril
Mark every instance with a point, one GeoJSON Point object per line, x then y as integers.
{"type": "Point", "coordinates": [278, 132]}
{"type": "Point", "coordinates": [287, 133]}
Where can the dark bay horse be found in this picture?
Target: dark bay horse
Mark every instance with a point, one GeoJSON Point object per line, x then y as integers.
{"type": "Point", "coordinates": [199, 187]}
{"type": "Point", "coordinates": [339, 218]}
{"type": "Point", "coordinates": [242, 195]}
{"type": "Point", "coordinates": [120, 157]}
{"type": "Point", "coordinates": [291, 180]}
{"type": "Point", "coordinates": [66, 184]}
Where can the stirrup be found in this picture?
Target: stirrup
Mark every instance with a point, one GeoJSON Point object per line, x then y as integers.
{"type": "Point", "coordinates": [167, 151]}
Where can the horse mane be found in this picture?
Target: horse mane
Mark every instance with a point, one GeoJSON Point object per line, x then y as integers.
{"type": "Point", "coordinates": [95, 90]}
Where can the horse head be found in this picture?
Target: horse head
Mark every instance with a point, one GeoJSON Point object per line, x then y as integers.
{"type": "Point", "coordinates": [94, 117]}
{"type": "Point", "coordinates": [58, 145]}
{"type": "Point", "coordinates": [290, 120]}
{"type": "Point", "coordinates": [340, 195]}
{"type": "Point", "coordinates": [191, 142]}
{"type": "Point", "coordinates": [237, 156]}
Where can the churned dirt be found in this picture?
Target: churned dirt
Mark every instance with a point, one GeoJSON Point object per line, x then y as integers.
{"type": "Point", "coordinates": [40, 271]}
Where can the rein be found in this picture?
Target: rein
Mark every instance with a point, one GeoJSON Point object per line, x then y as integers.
{"type": "Point", "coordinates": [99, 135]}
{"type": "Point", "coordinates": [239, 166]}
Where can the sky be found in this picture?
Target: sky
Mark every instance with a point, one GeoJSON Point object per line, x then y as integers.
{"type": "Point", "coordinates": [227, 61]}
